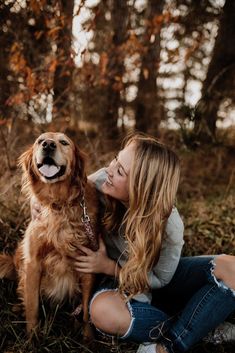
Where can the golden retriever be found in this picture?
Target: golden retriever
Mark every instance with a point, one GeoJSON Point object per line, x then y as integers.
{"type": "Point", "coordinates": [53, 172]}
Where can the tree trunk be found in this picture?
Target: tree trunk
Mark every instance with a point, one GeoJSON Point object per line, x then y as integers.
{"type": "Point", "coordinates": [147, 101]}
{"type": "Point", "coordinates": [64, 69]}
{"type": "Point", "coordinates": [219, 82]}
{"type": "Point", "coordinates": [5, 86]}
{"type": "Point", "coordinates": [120, 20]}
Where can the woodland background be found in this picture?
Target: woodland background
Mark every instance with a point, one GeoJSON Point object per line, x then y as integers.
{"type": "Point", "coordinates": [96, 70]}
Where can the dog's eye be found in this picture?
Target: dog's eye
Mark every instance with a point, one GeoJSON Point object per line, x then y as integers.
{"type": "Point", "coordinates": [40, 141]}
{"type": "Point", "coordinates": [64, 143]}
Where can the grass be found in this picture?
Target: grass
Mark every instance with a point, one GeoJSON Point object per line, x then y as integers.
{"type": "Point", "coordinates": [206, 202]}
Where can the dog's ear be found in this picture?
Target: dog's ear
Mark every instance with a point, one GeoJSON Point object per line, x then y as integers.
{"type": "Point", "coordinates": [79, 166]}
{"type": "Point", "coordinates": [25, 162]}
{"type": "Point", "coordinates": [25, 159]}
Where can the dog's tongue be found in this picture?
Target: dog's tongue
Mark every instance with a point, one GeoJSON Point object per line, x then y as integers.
{"type": "Point", "coordinates": [49, 170]}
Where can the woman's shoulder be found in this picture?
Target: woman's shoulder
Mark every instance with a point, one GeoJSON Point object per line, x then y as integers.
{"type": "Point", "coordinates": [98, 178]}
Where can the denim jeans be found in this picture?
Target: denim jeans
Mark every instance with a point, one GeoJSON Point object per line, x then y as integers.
{"type": "Point", "coordinates": [184, 311]}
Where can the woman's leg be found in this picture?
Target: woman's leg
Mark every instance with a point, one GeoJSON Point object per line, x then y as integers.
{"type": "Point", "coordinates": [109, 313]}
{"type": "Point", "coordinates": [190, 276]}
{"type": "Point", "coordinates": [209, 305]}
{"type": "Point", "coordinates": [225, 270]}
{"type": "Point", "coordinates": [207, 301]}
{"type": "Point", "coordinates": [134, 320]}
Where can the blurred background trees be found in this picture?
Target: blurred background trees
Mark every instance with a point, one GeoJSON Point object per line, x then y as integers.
{"type": "Point", "coordinates": [112, 65]}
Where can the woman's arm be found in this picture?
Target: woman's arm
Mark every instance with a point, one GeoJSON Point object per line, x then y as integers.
{"type": "Point", "coordinates": [170, 253]}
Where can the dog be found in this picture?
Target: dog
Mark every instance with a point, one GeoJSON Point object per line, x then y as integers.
{"type": "Point", "coordinates": [54, 174]}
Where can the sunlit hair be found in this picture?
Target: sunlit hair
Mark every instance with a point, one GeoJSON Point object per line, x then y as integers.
{"type": "Point", "coordinates": [153, 182]}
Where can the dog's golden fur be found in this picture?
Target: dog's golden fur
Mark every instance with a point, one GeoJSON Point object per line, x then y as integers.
{"type": "Point", "coordinates": [44, 258]}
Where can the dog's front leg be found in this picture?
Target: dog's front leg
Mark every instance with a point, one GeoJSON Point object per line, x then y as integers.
{"type": "Point", "coordinates": [31, 294]}
{"type": "Point", "coordinates": [87, 283]}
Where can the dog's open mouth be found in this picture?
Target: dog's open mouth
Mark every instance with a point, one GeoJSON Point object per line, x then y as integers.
{"type": "Point", "coordinates": [49, 169]}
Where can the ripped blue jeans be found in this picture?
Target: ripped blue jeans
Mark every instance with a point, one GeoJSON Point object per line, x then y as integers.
{"type": "Point", "coordinates": [184, 311]}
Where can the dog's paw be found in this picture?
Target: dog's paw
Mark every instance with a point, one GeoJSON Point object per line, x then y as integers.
{"type": "Point", "coordinates": [88, 334]}
{"type": "Point", "coordinates": [31, 328]}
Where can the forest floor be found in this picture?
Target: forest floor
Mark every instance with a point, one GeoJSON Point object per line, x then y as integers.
{"type": "Point", "coordinates": [206, 201]}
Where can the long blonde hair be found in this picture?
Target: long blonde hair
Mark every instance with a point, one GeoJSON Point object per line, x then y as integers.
{"type": "Point", "coordinates": [153, 182]}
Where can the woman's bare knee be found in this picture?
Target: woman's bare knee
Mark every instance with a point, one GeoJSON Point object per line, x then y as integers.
{"type": "Point", "coordinates": [225, 270]}
{"type": "Point", "coordinates": [109, 313]}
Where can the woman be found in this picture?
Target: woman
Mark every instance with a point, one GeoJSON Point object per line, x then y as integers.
{"type": "Point", "coordinates": [140, 253]}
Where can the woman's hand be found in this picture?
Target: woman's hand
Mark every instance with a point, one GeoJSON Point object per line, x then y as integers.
{"type": "Point", "coordinates": [96, 261]}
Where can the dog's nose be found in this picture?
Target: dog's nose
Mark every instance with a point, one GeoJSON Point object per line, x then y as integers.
{"type": "Point", "coordinates": [48, 145]}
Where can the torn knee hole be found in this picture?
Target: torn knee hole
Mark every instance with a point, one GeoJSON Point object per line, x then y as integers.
{"type": "Point", "coordinates": [218, 277]}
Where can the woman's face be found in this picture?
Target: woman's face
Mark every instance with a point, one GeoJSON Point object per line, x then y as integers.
{"type": "Point", "coordinates": [117, 181]}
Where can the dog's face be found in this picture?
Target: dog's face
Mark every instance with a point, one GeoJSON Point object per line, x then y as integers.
{"type": "Point", "coordinates": [53, 158]}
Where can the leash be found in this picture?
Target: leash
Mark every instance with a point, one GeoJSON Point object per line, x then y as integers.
{"type": "Point", "coordinates": [88, 226]}
{"type": "Point", "coordinates": [93, 241]}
